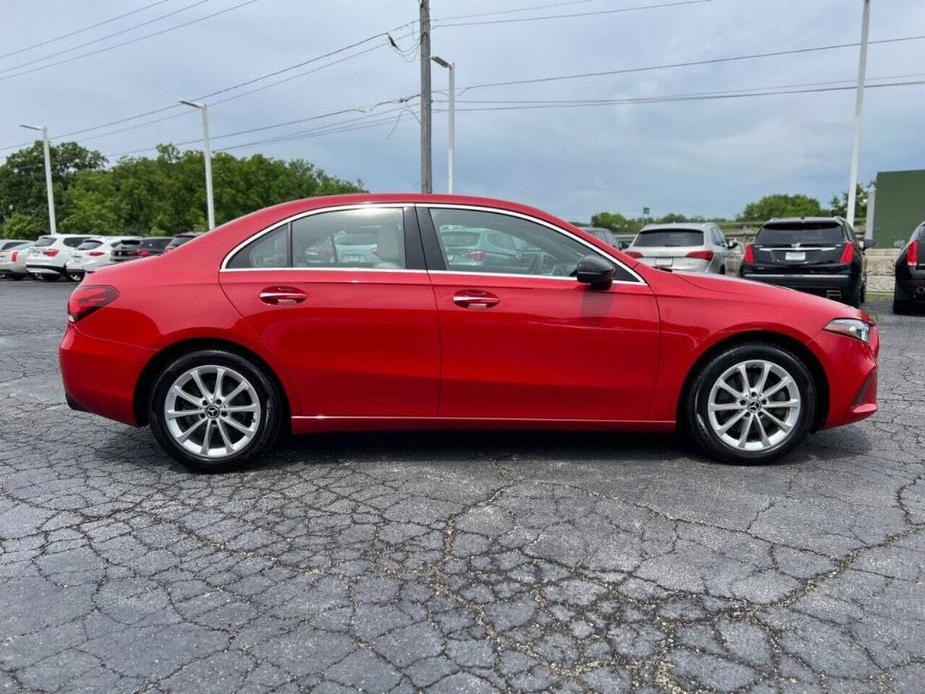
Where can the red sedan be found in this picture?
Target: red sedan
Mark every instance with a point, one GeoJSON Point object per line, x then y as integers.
{"type": "Point", "coordinates": [430, 311]}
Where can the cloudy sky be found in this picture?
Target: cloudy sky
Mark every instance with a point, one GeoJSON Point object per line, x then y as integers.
{"type": "Point", "coordinates": [516, 141]}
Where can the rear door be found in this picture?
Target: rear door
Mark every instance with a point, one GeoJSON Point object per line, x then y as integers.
{"type": "Point", "coordinates": [533, 343]}
{"type": "Point", "coordinates": [355, 324]}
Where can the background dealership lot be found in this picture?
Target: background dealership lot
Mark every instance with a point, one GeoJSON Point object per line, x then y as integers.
{"type": "Point", "coordinates": [528, 561]}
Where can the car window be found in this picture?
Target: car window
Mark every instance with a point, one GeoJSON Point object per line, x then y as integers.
{"type": "Point", "coordinates": [74, 242]}
{"type": "Point", "coordinates": [89, 245]}
{"type": "Point", "coordinates": [806, 233]}
{"type": "Point", "coordinates": [669, 237]}
{"type": "Point", "coordinates": [470, 242]}
{"type": "Point", "coordinates": [363, 238]}
{"type": "Point", "coordinates": [43, 241]}
{"type": "Point", "coordinates": [269, 251]}
{"type": "Point", "coordinates": [155, 243]}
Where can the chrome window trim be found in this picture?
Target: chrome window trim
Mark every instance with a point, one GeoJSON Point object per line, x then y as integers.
{"type": "Point", "coordinates": [288, 220]}
{"type": "Point", "coordinates": [548, 225]}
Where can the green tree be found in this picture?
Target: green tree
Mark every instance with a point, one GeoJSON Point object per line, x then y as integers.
{"type": "Point", "coordinates": [781, 205]}
{"type": "Point", "coordinates": [18, 225]}
{"type": "Point", "coordinates": [839, 203]}
{"type": "Point", "coordinates": [614, 221]}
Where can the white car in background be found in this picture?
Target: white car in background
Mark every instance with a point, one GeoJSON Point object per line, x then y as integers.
{"type": "Point", "coordinates": [48, 256]}
{"type": "Point", "coordinates": [13, 258]}
{"type": "Point", "coordinates": [682, 247]}
{"type": "Point", "coordinates": [92, 254]}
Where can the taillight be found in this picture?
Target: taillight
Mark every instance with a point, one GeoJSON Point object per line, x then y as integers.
{"type": "Point", "coordinates": [847, 254]}
{"type": "Point", "coordinates": [142, 253]}
{"type": "Point", "coordinates": [701, 255]}
{"type": "Point", "coordinates": [476, 255]}
{"type": "Point", "coordinates": [95, 253]}
{"type": "Point", "coordinates": [87, 299]}
{"type": "Point", "coordinates": [50, 252]}
{"type": "Point", "coordinates": [14, 256]}
{"type": "Point", "coordinates": [749, 256]}
{"type": "Point", "coordinates": [912, 258]}
{"type": "Point", "coordinates": [633, 254]}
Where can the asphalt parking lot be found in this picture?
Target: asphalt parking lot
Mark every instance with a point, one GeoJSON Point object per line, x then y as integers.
{"type": "Point", "coordinates": [458, 562]}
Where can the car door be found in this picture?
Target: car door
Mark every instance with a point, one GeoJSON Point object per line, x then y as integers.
{"type": "Point", "coordinates": [357, 333]}
{"type": "Point", "coordinates": [535, 343]}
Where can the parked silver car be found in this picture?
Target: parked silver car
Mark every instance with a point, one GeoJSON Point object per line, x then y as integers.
{"type": "Point", "coordinates": [13, 258]}
{"type": "Point", "coordinates": [683, 247]}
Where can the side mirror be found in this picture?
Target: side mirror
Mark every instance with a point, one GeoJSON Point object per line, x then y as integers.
{"type": "Point", "coordinates": [732, 244]}
{"type": "Point", "coordinates": [596, 272]}
{"type": "Point", "coordinates": [867, 243]}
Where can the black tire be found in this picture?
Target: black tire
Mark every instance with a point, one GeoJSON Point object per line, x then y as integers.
{"type": "Point", "coordinates": [902, 308]}
{"type": "Point", "coordinates": [270, 421]}
{"type": "Point", "coordinates": [47, 278]}
{"type": "Point", "coordinates": [74, 276]}
{"type": "Point", "coordinates": [864, 294]}
{"type": "Point", "coordinates": [694, 413]}
{"type": "Point", "coordinates": [853, 296]}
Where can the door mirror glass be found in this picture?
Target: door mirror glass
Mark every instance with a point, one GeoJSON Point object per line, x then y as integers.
{"type": "Point", "coordinates": [594, 271]}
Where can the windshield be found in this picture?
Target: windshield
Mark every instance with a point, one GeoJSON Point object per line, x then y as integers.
{"type": "Point", "coordinates": [669, 237]}
{"type": "Point", "coordinates": [806, 233]}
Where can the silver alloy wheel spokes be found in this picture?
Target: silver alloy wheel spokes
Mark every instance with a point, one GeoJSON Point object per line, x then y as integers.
{"type": "Point", "coordinates": [212, 411]}
{"type": "Point", "coordinates": [754, 405]}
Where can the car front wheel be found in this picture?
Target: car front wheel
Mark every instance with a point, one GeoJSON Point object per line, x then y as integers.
{"type": "Point", "coordinates": [752, 403]}
{"type": "Point", "coordinates": [215, 411]}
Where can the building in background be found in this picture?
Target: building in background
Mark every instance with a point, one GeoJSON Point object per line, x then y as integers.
{"type": "Point", "coordinates": [900, 207]}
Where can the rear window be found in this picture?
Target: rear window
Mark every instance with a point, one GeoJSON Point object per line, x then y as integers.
{"type": "Point", "coordinates": [44, 241]}
{"type": "Point", "coordinates": [669, 237]}
{"type": "Point", "coordinates": [89, 245]}
{"type": "Point", "coordinates": [155, 243]}
{"type": "Point", "coordinates": [457, 239]}
{"type": "Point", "coordinates": [130, 242]}
{"type": "Point", "coordinates": [806, 233]}
{"type": "Point", "coordinates": [74, 242]}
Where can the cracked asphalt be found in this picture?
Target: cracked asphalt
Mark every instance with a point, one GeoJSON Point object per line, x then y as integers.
{"type": "Point", "coordinates": [454, 562]}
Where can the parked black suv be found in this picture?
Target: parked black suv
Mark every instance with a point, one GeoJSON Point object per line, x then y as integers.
{"type": "Point", "coordinates": [819, 255]}
{"type": "Point", "coordinates": [909, 284]}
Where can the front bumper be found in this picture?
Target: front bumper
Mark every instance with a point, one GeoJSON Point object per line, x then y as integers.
{"type": "Point", "coordinates": [99, 375]}
{"type": "Point", "coordinates": [851, 370]}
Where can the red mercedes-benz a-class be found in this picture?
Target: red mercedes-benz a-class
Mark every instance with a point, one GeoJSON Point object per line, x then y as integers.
{"type": "Point", "coordinates": [431, 311]}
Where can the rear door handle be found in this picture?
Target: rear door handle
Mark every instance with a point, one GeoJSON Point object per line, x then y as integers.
{"type": "Point", "coordinates": [282, 295]}
{"type": "Point", "coordinates": [475, 298]}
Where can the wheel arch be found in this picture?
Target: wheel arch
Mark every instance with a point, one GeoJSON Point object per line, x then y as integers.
{"type": "Point", "coordinates": [166, 355]}
{"type": "Point", "coordinates": [812, 363]}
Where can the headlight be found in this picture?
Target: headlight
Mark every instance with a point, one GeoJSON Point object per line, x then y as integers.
{"type": "Point", "coordinates": [852, 327]}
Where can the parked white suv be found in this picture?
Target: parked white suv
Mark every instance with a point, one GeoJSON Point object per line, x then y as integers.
{"type": "Point", "coordinates": [47, 259]}
{"type": "Point", "coordinates": [92, 254]}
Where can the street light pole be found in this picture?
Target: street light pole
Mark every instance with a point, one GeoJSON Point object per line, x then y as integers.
{"type": "Point", "coordinates": [207, 156]}
{"type": "Point", "coordinates": [858, 116]}
{"type": "Point", "coordinates": [451, 153]}
{"type": "Point", "coordinates": [52, 224]}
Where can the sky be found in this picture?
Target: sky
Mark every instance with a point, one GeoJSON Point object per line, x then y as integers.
{"type": "Point", "coordinates": [691, 156]}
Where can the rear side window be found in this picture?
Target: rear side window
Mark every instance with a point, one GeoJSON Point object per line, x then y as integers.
{"type": "Point", "coordinates": [669, 237]}
{"type": "Point", "coordinates": [269, 251]}
{"type": "Point", "coordinates": [44, 241]}
{"type": "Point", "coordinates": [806, 233]}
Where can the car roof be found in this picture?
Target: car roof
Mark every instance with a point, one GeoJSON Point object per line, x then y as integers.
{"type": "Point", "coordinates": [808, 220]}
{"type": "Point", "coordinates": [698, 226]}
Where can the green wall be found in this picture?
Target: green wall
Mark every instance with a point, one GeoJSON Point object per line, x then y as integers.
{"type": "Point", "coordinates": [899, 206]}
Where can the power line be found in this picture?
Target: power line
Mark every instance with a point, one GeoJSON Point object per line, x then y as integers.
{"type": "Point", "coordinates": [100, 39]}
{"type": "Point", "coordinates": [691, 63]}
{"type": "Point", "coordinates": [678, 3]}
{"type": "Point", "coordinates": [81, 30]}
{"type": "Point", "coordinates": [131, 41]}
{"type": "Point", "coordinates": [512, 11]}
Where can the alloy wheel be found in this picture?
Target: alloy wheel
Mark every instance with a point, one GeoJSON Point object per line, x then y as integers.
{"type": "Point", "coordinates": [212, 411]}
{"type": "Point", "coordinates": [754, 405]}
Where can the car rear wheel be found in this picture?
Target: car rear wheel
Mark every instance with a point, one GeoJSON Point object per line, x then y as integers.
{"type": "Point", "coordinates": [901, 307]}
{"type": "Point", "coordinates": [751, 404]}
{"type": "Point", "coordinates": [215, 411]}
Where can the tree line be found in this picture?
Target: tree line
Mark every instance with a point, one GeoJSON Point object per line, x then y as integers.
{"type": "Point", "coordinates": [153, 196]}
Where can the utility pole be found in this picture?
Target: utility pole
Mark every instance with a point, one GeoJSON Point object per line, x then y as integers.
{"type": "Point", "coordinates": [52, 225]}
{"type": "Point", "coordinates": [427, 185]}
{"type": "Point", "coordinates": [207, 156]}
{"type": "Point", "coordinates": [858, 116]}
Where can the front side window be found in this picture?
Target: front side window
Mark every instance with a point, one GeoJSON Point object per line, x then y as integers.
{"type": "Point", "coordinates": [478, 241]}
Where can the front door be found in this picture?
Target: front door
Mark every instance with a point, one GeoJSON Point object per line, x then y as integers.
{"type": "Point", "coordinates": [521, 338]}
{"type": "Point", "coordinates": [342, 300]}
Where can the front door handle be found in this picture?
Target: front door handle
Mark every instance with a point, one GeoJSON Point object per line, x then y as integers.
{"type": "Point", "coordinates": [475, 298]}
{"type": "Point", "coordinates": [276, 296]}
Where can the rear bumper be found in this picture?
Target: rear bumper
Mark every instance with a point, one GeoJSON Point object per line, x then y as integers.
{"type": "Point", "coordinates": [910, 290]}
{"type": "Point", "coordinates": [851, 369]}
{"type": "Point", "coordinates": [100, 376]}
{"type": "Point", "coordinates": [820, 281]}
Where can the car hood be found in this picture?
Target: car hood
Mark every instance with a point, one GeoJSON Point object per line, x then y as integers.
{"type": "Point", "coordinates": [769, 292]}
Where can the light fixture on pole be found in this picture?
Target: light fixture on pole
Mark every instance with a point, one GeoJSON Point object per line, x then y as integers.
{"type": "Point", "coordinates": [451, 154]}
{"type": "Point", "coordinates": [52, 225]}
{"type": "Point", "coordinates": [206, 155]}
{"type": "Point", "coordinates": [858, 117]}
